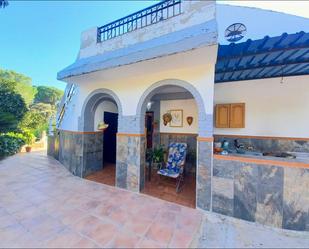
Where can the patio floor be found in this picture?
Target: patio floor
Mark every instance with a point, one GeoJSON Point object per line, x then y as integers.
{"type": "Point", "coordinates": [43, 205]}
{"type": "Point", "coordinates": [106, 175]}
{"type": "Point", "coordinates": [163, 188]}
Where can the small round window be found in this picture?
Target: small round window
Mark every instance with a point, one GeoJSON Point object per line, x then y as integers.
{"type": "Point", "coordinates": [235, 32]}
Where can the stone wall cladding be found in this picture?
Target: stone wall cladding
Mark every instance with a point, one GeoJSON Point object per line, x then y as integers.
{"type": "Point", "coordinates": [130, 162]}
{"type": "Point", "coordinates": [267, 194]}
{"type": "Point", "coordinates": [265, 145]}
{"type": "Point", "coordinates": [204, 175]}
{"type": "Point", "coordinates": [92, 153]}
{"type": "Point", "coordinates": [81, 154]}
{"type": "Point", "coordinates": [51, 146]}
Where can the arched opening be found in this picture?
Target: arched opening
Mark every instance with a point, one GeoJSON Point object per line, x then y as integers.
{"type": "Point", "coordinates": [101, 109]}
{"type": "Point", "coordinates": [180, 101]}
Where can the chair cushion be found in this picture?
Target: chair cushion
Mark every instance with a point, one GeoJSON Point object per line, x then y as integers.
{"type": "Point", "coordinates": [176, 156]}
{"type": "Point", "coordinates": [168, 172]}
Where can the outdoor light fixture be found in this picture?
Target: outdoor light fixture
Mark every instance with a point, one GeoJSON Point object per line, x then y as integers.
{"type": "Point", "coordinates": [149, 105]}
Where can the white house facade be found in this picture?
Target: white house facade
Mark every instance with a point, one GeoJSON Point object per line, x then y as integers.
{"type": "Point", "coordinates": [214, 68]}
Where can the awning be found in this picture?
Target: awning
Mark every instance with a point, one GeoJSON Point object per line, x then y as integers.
{"type": "Point", "coordinates": [281, 56]}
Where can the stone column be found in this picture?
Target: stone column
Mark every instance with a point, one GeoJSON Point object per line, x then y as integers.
{"type": "Point", "coordinates": [204, 172]}
{"type": "Point", "coordinates": [130, 166]}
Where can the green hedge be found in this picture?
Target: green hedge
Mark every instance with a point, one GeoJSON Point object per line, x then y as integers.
{"type": "Point", "coordinates": [11, 143]}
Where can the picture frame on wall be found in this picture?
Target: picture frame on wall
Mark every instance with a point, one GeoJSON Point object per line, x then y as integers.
{"type": "Point", "coordinates": [177, 118]}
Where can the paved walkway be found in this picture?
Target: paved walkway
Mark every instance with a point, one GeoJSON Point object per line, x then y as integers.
{"type": "Point", "coordinates": [43, 205]}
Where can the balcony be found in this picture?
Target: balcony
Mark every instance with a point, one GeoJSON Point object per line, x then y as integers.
{"type": "Point", "coordinates": [167, 28]}
{"type": "Point", "coordinates": [151, 15]}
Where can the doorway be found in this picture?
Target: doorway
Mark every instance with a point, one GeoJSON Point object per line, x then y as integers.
{"type": "Point", "coordinates": [149, 119]}
{"type": "Point", "coordinates": [110, 138]}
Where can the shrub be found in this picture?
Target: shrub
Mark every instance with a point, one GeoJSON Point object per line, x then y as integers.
{"type": "Point", "coordinates": [11, 143]}
{"type": "Point", "coordinates": [28, 136]}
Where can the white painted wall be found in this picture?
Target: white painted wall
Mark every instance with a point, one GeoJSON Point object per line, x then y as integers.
{"type": "Point", "coordinates": [130, 82]}
{"type": "Point", "coordinates": [189, 108]}
{"type": "Point", "coordinates": [259, 22]}
{"type": "Point", "coordinates": [272, 108]}
{"type": "Point", "coordinates": [193, 13]}
{"type": "Point", "coordinates": [105, 106]}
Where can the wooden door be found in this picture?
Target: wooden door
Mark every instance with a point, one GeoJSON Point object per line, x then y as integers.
{"type": "Point", "coordinates": [237, 115]}
{"type": "Point", "coordinates": [222, 115]}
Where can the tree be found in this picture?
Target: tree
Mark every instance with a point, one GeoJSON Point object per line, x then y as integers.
{"type": "Point", "coordinates": [19, 83]}
{"type": "Point", "coordinates": [12, 109]}
{"type": "Point", "coordinates": [3, 3]}
{"type": "Point", "coordinates": [48, 95]}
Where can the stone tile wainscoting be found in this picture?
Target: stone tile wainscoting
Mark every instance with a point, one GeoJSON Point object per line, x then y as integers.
{"type": "Point", "coordinates": [80, 152]}
{"type": "Point", "coordinates": [267, 194]}
{"type": "Point", "coordinates": [204, 175]}
{"type": "Point", "coordinates": [130, 168]}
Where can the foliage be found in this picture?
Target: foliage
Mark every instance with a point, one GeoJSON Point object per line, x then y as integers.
{"type": "Point", "coordinates": [48, 95]}
{"type": "Point", "coordinates": [10, 143]}
{"type": "Point", "coordinates": [12, 109]}
{"type": "Point", "coordinates": [157, 154]}
{"type": "Point", "coordinates": [8, 122]}
{"type": "Point", "coordinates": [32, 120]}
{"type": "Point", "coordinates": [19, 83]}
{"type": "Point", "coordinates": [23, 108]}
{"type": "Point", "coordinates": [44, 109]}
{"type": "Point", "coordinates": [28, 136]}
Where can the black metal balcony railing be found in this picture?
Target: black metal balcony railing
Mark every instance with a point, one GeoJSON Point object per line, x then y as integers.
{"type": "Point", "coordinates": [151, 15]}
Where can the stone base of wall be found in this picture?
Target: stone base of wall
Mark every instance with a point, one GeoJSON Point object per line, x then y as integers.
{"type": "Point", "coordinates": [266, 194]}
{"type": "Point", "coordinates": [267, 144]}
{"type": "Point", "coordinates": [204, 173]}
{"type": "Point", "coordinates": [80, 153]}
{"type": "Point", "coordinates": [130, 168]}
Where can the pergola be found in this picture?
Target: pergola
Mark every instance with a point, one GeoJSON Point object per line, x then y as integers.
{"type": "Point", "coordinates": [281, 56]}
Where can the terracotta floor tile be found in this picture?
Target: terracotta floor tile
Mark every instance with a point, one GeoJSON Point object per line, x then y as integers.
{"type": "Point", "coordinates": [125, 240]}
{"type": "Point", "coordinates": [148, 243]}
{"type": "Point", "coordinates": [181, 239]}
{"type": "Point", "coordinates": [102, 234]}
{"type": "Point", "coordinates": [86, 224]}
{"type": "Point", "coordinates": [66, 238]}
{"type": "Point", "coordinates": [160, 232]}
{"type": "Point", "coordinates": [85, 243]}
{"type": "Point", "coordinates": [49, 207]}
{"type": "Point", "coordinates": [138, 224]}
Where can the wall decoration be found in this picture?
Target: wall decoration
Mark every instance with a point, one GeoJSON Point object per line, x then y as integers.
{"type": "Point", "coordinates": [167, 117]}
{"type": "Point", "coordinates": [176, 118]}
{"type": "Point", "coordinates": [189, 120]}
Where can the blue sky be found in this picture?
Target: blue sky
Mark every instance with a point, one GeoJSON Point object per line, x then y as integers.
{"type": "Point", "coordinates": [39, 38]}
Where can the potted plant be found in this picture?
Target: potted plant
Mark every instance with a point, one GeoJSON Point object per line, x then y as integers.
{"type": "Point", "coordinates": [29, 138]}
{"type": "Point", "coordinates": [158, 156]}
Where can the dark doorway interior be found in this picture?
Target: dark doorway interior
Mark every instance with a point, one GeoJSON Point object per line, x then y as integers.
{"type": "Point", "coordinates": [109, 142]}
{"type": "Point", "coordinates": [149, 118]}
